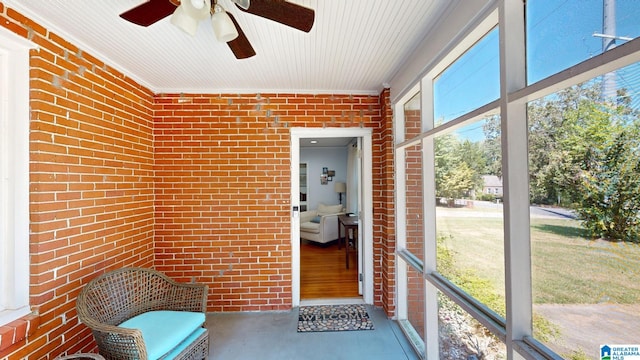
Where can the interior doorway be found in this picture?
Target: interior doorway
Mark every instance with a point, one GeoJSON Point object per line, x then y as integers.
{"type": "Point", "coordinates": [358, 201]}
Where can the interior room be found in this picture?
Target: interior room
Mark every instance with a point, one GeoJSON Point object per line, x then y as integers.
{"type": "Point", "coordinates": [329, 175]}
{"type": "Point", "coordinates": [176, 136]}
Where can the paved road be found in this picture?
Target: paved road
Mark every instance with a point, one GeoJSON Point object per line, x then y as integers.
{"type": "Point", "coordinates": [481, 206]}
{"type": "Point", "coordinates": [554, 212]}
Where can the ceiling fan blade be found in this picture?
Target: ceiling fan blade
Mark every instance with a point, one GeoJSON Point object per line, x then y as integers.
{"type": "Point", "coordinates": [242, 3]}
{"type": "Point", "coordinates": [149, 12]}
{"type": "Point", "coordinates": [240, 46]}
{"type": "Point", "coordinates": [284, 12]}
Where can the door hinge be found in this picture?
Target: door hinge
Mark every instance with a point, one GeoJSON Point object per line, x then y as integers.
{"type": "Point", "coordinates": [359, 277]}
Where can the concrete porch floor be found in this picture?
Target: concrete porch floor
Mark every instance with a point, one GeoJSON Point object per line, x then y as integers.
{"type": "Point", "coordinates": [273, 335]}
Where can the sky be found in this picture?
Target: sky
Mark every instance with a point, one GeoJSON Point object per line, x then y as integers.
{"type": "Point", "coordinates": [559, 35]}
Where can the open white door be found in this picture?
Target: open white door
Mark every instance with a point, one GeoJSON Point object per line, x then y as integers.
{"type": "Point", "coordinates": [364, 203]}
{"type": "Point", "coordinates": [360, 216]}
{"type": "Point", "coordinates": [354, 199]}
{"type": "Point", "coordinates": [295, 216]}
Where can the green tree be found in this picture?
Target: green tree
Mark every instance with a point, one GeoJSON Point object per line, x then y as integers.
{"type": "Point", "coordinates": [457, 182]}
{"type": "Point", "coordinates": [454, 176]}
{"type": "Point", "coordinates": [557, 133]}
{"type": "Point", "coordinates": [445, 159]}
{"type": "Point", "coordinates": [472, 154]}
{"type": "Point", "coordinates": [610, 206]}
{"type": "Point", "coordinates": [491, 146]}
{"type": "Point", "coordinates": [547, 159]}
{"type": "Point", "coordinates": [583, 153]}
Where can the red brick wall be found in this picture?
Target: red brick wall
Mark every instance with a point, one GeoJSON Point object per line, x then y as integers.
{"type": "Point", "coordinates": [91, 183]}
{"type": "Point", "coordinates": [384, 210]}
{"type": "Point", "coordinates": [415, 300]}
{"type": "Point", "coordinates": [223, 189]}
{"type": "Point", "coordinates": [413, 191]}
{"type": "Point", "coordinates": [415, 218]}
{"type": "Point", "coordinates": [120, 177]}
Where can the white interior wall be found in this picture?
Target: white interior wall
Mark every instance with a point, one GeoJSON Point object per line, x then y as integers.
{"type": "Point", "coordinates": [353, 180]}
{"type": "Point", "coordinates": [333, 158]}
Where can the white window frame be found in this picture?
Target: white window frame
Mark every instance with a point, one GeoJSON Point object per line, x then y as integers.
{"type": "Point", "coordinates": [14, 176]}
{"type": "Point", "coordinates": [516, 331]}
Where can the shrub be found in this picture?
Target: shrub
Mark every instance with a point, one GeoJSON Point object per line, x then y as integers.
{"type": "Point", "coordinates": [610, 204]}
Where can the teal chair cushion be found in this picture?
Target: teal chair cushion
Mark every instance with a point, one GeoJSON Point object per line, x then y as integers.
{"type": "Point", "coordinates": [163, 331]}
{"type": "Point", "coordinates": [177, 350]}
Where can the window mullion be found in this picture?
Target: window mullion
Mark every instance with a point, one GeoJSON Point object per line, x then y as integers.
{"type": "Point", "coordinates": [515, 171]}
{"type": "Point", "coordinates": [429, 210]}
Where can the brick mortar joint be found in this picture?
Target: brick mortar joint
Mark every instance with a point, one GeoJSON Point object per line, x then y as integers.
{"type": "Point", "coordinates": [28, 322]}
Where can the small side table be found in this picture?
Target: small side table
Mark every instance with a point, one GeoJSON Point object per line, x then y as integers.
{"type": "Point", "coordinates": [348, 223]}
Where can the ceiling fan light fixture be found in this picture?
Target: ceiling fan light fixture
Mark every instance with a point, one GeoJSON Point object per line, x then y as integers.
{"type": "Point", "coordinates": [184, 22]}
{"type": "Point", "coordinates": [223, 27]}
{"type": "Point", "coordinates": [197, 9]}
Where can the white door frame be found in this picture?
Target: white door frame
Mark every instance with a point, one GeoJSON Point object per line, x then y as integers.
{"type": "Point", "coordinates": [366, 225]}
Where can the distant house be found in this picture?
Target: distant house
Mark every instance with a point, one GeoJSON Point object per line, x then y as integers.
{"type": "Point", "coordinates": [491, 184]}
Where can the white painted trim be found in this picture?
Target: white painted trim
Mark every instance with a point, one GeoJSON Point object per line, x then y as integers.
{"type": "Point", "coordinates": [431, 307]}
{"type": "Point", "coordinates": [14, 176]}
{"type": "Point", "coordinates": [360, 197]}
{"type": "Point", "coordinates": [401, 293]}
{"type": "Point", "coordinates": [295, 224]}
{"type": "Point", "coordinates": [187, 91]}
{"type": "Point", "coordinates": [366, 229]}
{"type": "Point", "coordinates": [616, 58]}
{"type": "Point", "coordinates": [367, 218]}
{"type": "Point", "coordinates": [515, 170]}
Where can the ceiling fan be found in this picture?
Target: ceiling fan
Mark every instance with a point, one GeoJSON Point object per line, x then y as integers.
{"type": "Point", "coordinates": [186, 14]}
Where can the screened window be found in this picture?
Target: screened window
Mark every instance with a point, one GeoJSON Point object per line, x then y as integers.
{"type": "Point", "coordinates": [531, 202]}
{"type": "Point", "coordinates": [584, 165]}
{"type": "Point", "coordinates": [468, 83]}
{"type": "Point", "coordinates": [450, 224]}
{"type": "Point", "coordinates": [470, 241]}
{"type": "Point", "coordinates": [563, 33]}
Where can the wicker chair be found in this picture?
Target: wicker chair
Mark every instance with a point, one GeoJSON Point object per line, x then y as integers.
{"type": "Point", "coordinates": [116, 296]}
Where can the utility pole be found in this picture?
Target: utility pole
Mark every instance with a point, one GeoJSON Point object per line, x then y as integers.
{"type": "Point", "coordinates": [609, 37]}
{"type": "Point", "coordinates": [608, 43]}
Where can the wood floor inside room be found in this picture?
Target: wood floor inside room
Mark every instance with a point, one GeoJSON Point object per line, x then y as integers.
{"type": "Point", "coordinates": [324, 273]}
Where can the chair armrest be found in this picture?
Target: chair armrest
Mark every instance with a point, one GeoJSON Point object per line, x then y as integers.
{"type": "Point", "coordinates": [115, 342]}
{"type": "Point", "coordinates": [188, 297]}
{"type": "Point", "coordinates": [329, 226]}
{"type": "Point", "coordinates": [307, 216]}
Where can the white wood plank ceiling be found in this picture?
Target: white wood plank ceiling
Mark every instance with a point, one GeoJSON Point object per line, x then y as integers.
{"type": "Point", "coordinates": [355, 46]}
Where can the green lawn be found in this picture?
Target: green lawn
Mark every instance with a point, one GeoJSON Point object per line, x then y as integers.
{"type": "Point", "coordinates": [567, 267]}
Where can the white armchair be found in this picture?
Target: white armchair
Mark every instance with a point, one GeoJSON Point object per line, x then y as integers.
{"type": "Point", "coordinates": [320, 225]}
